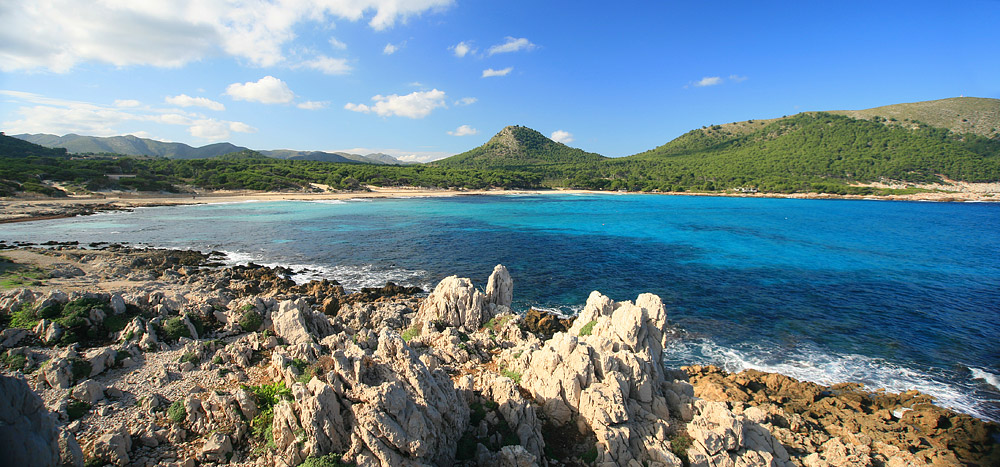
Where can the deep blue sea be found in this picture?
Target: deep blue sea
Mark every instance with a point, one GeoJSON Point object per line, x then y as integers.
{"type": "Point", "coordinates": [900, 295]}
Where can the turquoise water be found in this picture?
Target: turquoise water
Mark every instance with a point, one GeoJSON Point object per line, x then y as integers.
{"type": "Point", "coordinates": [901, 295]}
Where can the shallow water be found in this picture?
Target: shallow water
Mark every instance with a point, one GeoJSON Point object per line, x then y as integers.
{"type": "Point", "coordinates": [901, 295]}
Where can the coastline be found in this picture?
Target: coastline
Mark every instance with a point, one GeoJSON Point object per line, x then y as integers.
{"type": "Point", "coordinates": [498, 357]}
{"type": "Point", "coordinates": [31, 209]}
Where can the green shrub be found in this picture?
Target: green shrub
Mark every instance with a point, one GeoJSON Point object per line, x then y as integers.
{"type": "Point", "coordinates": [177, 413]}
{"type": "Point", "coordinates": [511, 374]}
{"type": "Point", "coordinates": [588, 328]}
{"type": "Point", "coordinates": [409, 334]}
{"type": "Point", "coordinates": [251, 320]}
{"type": "Point", "coordinates": [175, 328]}
{"type": "Point", "coordinates": [590, 456]}
{"type": "Point", "coordinates": [680, 444]}
{"type": "Point", "coordinates": [77, 409]}
{"type": "Point", "coordinates": [14, 362]}
{"type": "Point", "coordinates": [329, 460]}
{"type": "Point", "coordinates": [190, 357]}
{"type": "Point", "coordinates": [80, 369]}
{"type": "Point", "coordinates": [217, 360]}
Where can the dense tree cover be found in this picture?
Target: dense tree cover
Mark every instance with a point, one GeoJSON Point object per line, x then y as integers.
{"type": "Point", "coordinates": [815, 152]}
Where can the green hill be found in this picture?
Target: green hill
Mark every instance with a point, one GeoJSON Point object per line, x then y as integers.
{"type": "Point", "coordinates": [815, 151]}
{"type": "Point", "coordinates": [15, 147]}
{"type": "Point", "coordinates": [974, 115]}
{"type": "Point", "coordinates": [129, 145]}
{"type": "Point", "coordinates": [518, 147]}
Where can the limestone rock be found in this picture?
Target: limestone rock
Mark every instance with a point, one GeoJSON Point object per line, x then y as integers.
{"type": "Point", "coordinates": [89, 391]}
{"type": "Point", "coordinates": [28, 435]}
{"type": "Point", "coordinates": [11, 337]}
{"type": "Point", "coordinates": [218, 448]}
{"type": "Point", "coordinates": [499, 288]}
{"type": "Point", "coordinates": [101, 359]}
{"type": "Point", "coordinates": [606, 372]}
{"type": "Point", "coordinates": [58, 373]}
{"type": "Point", "coordinates": [296, 323]}
{"type": "Point", "coordinates": [454, 302]}
{"type": "Point", "coordinates": [113, 447]}
{"type": "Point", "coordinates": [70, 453]}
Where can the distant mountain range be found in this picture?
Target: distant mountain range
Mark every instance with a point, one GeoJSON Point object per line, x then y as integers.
{"type": "Point", "coordinates": [135, 146]}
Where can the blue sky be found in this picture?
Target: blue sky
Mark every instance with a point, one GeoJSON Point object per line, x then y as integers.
{"type": "Point", "coordinates": [424, 79]}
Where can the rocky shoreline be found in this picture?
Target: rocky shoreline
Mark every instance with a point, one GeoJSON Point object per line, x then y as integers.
{"type": "Point", "coordinates": [158, 357]}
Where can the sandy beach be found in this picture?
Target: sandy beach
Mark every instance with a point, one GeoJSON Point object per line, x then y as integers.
{"type": "Point", "coordinates": [28, 209]}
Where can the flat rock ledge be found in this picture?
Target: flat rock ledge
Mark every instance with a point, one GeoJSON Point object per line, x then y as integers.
{"type": "Point", "coordinates": [185, 362]}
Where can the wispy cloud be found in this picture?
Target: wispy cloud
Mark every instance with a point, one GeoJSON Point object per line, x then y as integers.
{"type": "Point", "coordinates": [737, 78]}
{"type": "Point", "coordinates": [491, 72]}
{"type": "Point", "coordinates": [313, 105]}
{"type": "Point", "coordinates": [417, 104]}
{"type": "Point", "coordinates": [326, 65]}
{"type": "Point", "coordinates": [336, 44]}
{"type": "Point", "coordinates": [708, 81]}
{"type": "Point", "coordinates": [185, 100]}
{"type": "Point", "coordinates": [513, 44]}
{"type": "Point", "coordinates": [466, 101]}
{"type": "Point", "coordinates": [42, 114]}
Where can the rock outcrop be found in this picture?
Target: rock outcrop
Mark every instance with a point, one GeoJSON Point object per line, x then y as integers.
{"type": "Point", "coordinates": [606, 373]}
{"type": "Point", "coordinates": [28, 434]}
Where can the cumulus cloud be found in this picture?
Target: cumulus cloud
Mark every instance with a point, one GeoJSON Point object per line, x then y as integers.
{"type": "Point", "coordinates": [327, 65]}
{"type": "Point", "coordinates": [708, 81]}
{"type": "Point", "coordinates": [512, 45]}
{"type": "Point", "coordinates": [561, 136]}
{"type": "Point", "coordinates": [312, 105]}
{"type": "Point", "coordinates": [390, 49]}
{"type": "Point", "coordinates": [417, 104]}
{"type": "Point", "coordinates": [127, 103]}
{"type": "Point", "coordinates": [491, 72]}
{"type": "Point", "coordinates": [267, 90]}
{"type": "Point", "coordinates": [185, 100]}
{"type": "Point", "coordinates": [42, 114]}
{"type": "Point", "coordinates": [171, 33]}
{"type": "Point", "coordinates": [462, 49]}
{"type": "Point", "coordinates": [463, 130]}
{"type": "Point", "coordinates": [466, 101]}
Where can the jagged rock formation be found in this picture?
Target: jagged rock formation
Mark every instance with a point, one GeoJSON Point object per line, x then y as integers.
{"type": "Point", "coordinates": [239, 366]}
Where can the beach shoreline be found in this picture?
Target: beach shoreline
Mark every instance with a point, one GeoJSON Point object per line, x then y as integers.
{"type": "Point", "coordinates": [32, 209]}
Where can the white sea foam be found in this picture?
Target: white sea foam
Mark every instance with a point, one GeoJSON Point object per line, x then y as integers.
{"type": "Point", "coordinates": [352, 277]}
{"type": "Point", "coordinates": [327, 201]}
{"type": "Point", "coordinates": [989, 378]}
{"type": "Point", "coordinates": [829, 368]}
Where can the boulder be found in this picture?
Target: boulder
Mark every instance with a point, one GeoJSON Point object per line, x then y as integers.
{"type": "Point", "coordinates": [89, 391]}
{"type": "Point", "coordinates": [297, 323]}
{"type": "Point", "coordinates": [499, 288]}
{"type": "Point", "coordinates": [70, 453]}
{"type": "Point", "coordinates": [455, 302]}
{"type": "Point", "coordinates": [218, 448]}
{"type": "Point", "coordinates": [28, 434]}
{"type": "Point", "coordinates": [58, 373]}
{"type": "Point", "coordinates": [113, 447]}
{"type": "Point", "coordinates": [11, 337]}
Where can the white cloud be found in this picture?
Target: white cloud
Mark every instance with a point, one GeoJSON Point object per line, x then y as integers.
{"type": "Point", "coordinates": [327, 65]}
{"type": "Point", "coordinates": [312, 105]}
{"type": "Point", "coordinates": [41, 114]}
{"type": "Point", "coordinates": [58, 34]}
{"type": "Point", "coordinates": [512, 45]}
{"type": "Point", "coordinates": [709, 81]}
{"type": "Point", "coordinates": [390, 49]}
{"type": "Point", "coordinates": [185, 100]}
{"type": "Point", "coordinates": [267, 90]}
{"type": "Point", "coordinates": [462, 49]}
{"type": "Point", "coordinates": [491, 72]}
{"type": "Point", "coordinates": [417, 104]}
{"type": "Point", "coordinates": [561, 136]}
{"type": "Point", "coordinates": [336, 44]}
{"type": "Point", "coordinates": [127, 103]}
{"type": "Point", "coordinates": [737, 78]}
{"type": "Point", "coordinates": [466, 101]}
{"type": "Point", "coordinates": [463, 131]}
